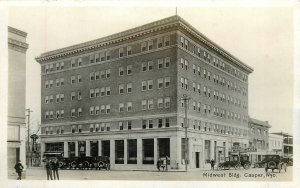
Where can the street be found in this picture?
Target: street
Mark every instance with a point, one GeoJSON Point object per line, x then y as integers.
{"type": "Point", "coordinates": [252, 174]}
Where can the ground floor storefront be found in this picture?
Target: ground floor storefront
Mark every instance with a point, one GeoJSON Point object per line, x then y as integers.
{"type": "Point", "coordinates": [142, 149]}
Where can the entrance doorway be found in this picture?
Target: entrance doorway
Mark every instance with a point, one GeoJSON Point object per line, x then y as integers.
{"type": "Point", "coordinates": [197, 160]}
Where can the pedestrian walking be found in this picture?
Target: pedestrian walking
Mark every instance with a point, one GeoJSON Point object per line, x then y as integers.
{"type": "Point", "coordinates": [158, 164]}
{"type": "Point", "coordinates": [212, 164]}
{"type": "Point", "coordinates": [48, 169]}
{"type": "Point", "coordinates": [55, 165]}
{"type": "Point", "coordinates": [19, 169]}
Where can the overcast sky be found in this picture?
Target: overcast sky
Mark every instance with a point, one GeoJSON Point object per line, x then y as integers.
{"type": "Point", "coordinates": [260, 37]}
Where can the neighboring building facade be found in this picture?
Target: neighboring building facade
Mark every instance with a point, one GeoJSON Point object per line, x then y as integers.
{"type": "Point", "coordinates": [119, 96]}
{"type": "Point", "coordinates": [258, 139]}
{"type": "Point", "coordinates": [275, 144]}
{"type": "Point", "coordinates": [287, 144]}
{"type": "Point", "coordinates": [17, 48]}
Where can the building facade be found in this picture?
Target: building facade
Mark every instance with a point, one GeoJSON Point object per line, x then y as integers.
{"type": "Point", "coordinates": [287, 144]}
{"type": "Point", "coordinates": [258, 139]}
{"type": "Point", "coordinates": [17, 48]}
{"type": "Point", "coordinates": [275, 144]}
{"type": "Point", "coordinates": [119, 96]}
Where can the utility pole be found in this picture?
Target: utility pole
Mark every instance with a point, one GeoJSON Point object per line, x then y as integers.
{"type": "Point", "coordinates": [28, 136]}
{"type": "Point", "coordinates": [185, 99]}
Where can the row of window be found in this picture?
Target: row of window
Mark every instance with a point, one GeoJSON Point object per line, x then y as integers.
{"type": "Point", "coordinates": [123, 125]}
{"type": "Point", "coordinates": [259, 131]}
{"type": "Point", "coordinates": [105, 55]}
{"type": "Point", "coordinates": [99, 74]}
{"type": "Point", "coordinates": [211, 127]}
{"type": "Point", "coordinates": [106, 109]}
{"type": "Point", "coordinates": [216, 78]}
{"type": "Point", "coordinates": [185, 43]}
{"type": "Point", "coordinates": [207, 92]}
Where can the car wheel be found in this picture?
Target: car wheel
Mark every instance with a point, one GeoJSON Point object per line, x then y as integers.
{"type": "Point", "coordinates": [237, 166]}
{"type": "Point", "coordinates": [73, 164]}
{"type": "Point", "coordinates": [246, 166]}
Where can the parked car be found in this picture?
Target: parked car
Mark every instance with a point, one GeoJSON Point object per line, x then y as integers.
{"type": "Point", "coordinates": [236, 162]}
{"type": "Point", "coordinates": [275, 162]}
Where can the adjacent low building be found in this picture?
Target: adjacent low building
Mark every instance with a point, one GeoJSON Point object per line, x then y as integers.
{"type": "Point", "coordinates": [258, 139]}
{"type": "Point", "coordinates": [119, 96]}
{"type": "Point", "coordinates": [275, 144]}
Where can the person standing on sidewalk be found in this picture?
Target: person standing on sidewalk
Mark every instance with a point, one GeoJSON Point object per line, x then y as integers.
{"type": "Point", "coordinates": [212, 164]}
{"type": "Point", "coordinates": [158, 163]}
{"type": "Point", "coordinates": [48, 169]}
{"type": "Point", "coordinates": [167, 158]}
{"type": "Point", "coordinates": [19, 168]}
{"type": "Point", "coordinates": [55, 165]}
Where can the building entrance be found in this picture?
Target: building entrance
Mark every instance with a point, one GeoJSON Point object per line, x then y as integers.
{"type": "Point", "coordinates": [197, 160]}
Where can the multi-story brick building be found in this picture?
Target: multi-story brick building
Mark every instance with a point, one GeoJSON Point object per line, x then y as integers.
{"type": "Point", "coordinates": [119, 96]}
{"type": "Point", "coordinates": [17, 48]}
{"type": "Point", "coordinates": [258, 139]}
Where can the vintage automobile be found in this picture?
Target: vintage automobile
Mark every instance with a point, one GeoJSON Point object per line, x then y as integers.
{"type": "Point", "coordinates": [275, 162]}
{"type": "Point", "coordinates": [235, 161]}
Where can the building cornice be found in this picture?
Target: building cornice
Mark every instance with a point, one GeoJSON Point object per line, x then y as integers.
{"type": "Point", "coordinates": [18, 45]}
{"type": "Point", "coordinates": [17, 31]}
{"type": "Point", "coordinates": [140, 31]}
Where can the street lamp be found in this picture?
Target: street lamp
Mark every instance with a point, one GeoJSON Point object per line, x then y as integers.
{"type": "Point", "coordinates": [185, 99]}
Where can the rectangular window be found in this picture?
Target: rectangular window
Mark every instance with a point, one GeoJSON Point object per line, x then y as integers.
{"type": "Point", "coordinates": [108, 109]}
{"type": "Point", "coordinates": [150, 44]}
{"type": "Point", "coordinates": [107, 73]}
{"type": "Point", "coordinates": [92, 110]}
{"type": "Point", "coordinates": [97, 92]}
{"type": "Point", "coordinates": [79, 111]}
{"type": "Point", "coordinates": [107, 91]}
{"type": "Point", "coordinates": [79, 79]}
{"type": "Point", "coordinates": [97, 75]}
{"type": "Point", "coordinates": [186, 64]}
{"type": "Point", "coordinates": [132, 151]}
{"type": "Point", "coordinates": [119, 151]}
{"type": "Point", "coordinates": [91, 58]}
{"type": "Point", "coordinates": [129, 106]}
{"type": "Point", "coordinates": [167, 82]}
{"type": "Point", "coordinates": [97, 110]}
{"type": "Point", "coordinates": [144, 85]}
{"type": "Point", "coordinates": [167, 122]}
{"type": "Point", "coordinates": [57, 82]}
{"type": "Point", "coordinates": [144, 67]}
{"type": "Point", "coordinates": [79, 61]}
{"type": "Point", "coordinates": [159, 42]}
{"type": "Point", "coordinates": [144, 124]}
{"type": "Point", "coordinates": [160, 83]}
{"type": "Point", "coordinates": [62, 81]}
{"type": "Point", "coordinates": [92, 93]}
{"type": "Point", "coordinates": [182, 41]}
{"type": "Point", "coordinates": [129, 69]}
{"type": "Point", "coordinates": [121, 107]}
{"type": "Point", "coordinates": [160, 63]}
{"type": "Point", "coordinates": [129, 88]}
{"type": "Point", "coordinates": [148, 151]}
{"type": "Point", "coordinates": [107, 55]}
{"type": "Point", "coordinates": [160, 123]}
{"type": "Point", "coordinates": [62, 97]}
{"type": "Point", "coordinates": [150, 104]}
{"type": "Point", "coordinates": [62, 65]}
{"type": "Point", "coordinates": [102, 109]}
{"type": "Point", "coordinates": [92, 76]}
{"type": "Point", "coordinates": [121, 71]}
{"type": "Point", "coordinates": [121, 89]}
{"type": "Point", "coordinates": [150, 65]}
{"type": "Point", "coordinates": [144, 46]}
{"type": "Point", "coordinates": [150, 123]}
{"type": "Point", "coordinates": [167, 62]}
{"type": "Point", "coordinates": [167, 102]}
{"type": "Point", "coordinates": [129, 50]}
{"type": "Point", "coordinates": [150, 84]}
{"type": "Point", "coordinates": [160, 103]}
{"type": "Point", "coordinates": [121, 52]}
{"type": "Point", "coordinates": [121, 126]}
{"type": "Point", "coordinates": [167, 40]}
{"type": "Point", "coordinates": [144, 104]}
{"type": "Point", "coordinates": [129, 125]}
